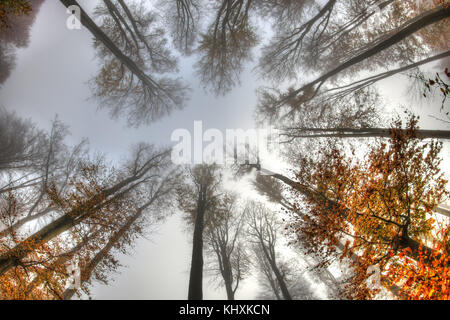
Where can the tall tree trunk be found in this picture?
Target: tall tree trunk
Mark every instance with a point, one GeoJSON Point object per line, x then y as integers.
{"type": "Point", "coordinates": [410, 27]}
{"type": "Point", "coordinates": [276, 271]}
{"type": "Point", "coordinates": [361, 133]}
{"type": "Point", "coordinates": [196, 274]}
{"type": "Point", "coordinates": [100, 256]}
{"type": "Point", "coordinates": [229, 289]}
{"type": "Point", "coordinates": [228, 276]}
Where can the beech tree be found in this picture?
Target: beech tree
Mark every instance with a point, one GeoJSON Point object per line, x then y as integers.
{"type": "Point", "coordinates": [20, 142]}
{"type": "Point", "coordinates": [184, 18]}
{"type": "Point", "coordinates": [199, 197]}
{"type": "Point", "coordinates": [311, 89]}
{"type": "Point", "coordinates": [381, 206]}
{"type": "Point", "coordinates": [36, 159]}
{"type": "Point", "coordinates": [131, 47]}
{"type": "Point", "coordinates": [224, 238]}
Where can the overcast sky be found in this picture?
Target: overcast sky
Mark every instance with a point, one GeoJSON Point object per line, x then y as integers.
{"type": "Point", "coordinates": [51, 78]}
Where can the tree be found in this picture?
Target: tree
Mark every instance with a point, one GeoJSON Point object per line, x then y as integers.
{"type": "Point", "coordinates": [183, 16]}
{"type": "Point", "coordinates": [360, 108]}
{"type": "Point", "coordinates": [381, 206]}
{"type": "Point", "coordinates": [11, 7]}
{"type": "Point", "coordinates": [263, 230]}
{"type": "Point", "coordinates": [223, 236]}
{"type": "Point", "coordinates": [296, 133]}
{"type": "Point", "coordinates": [337, 93]}
{"type": "Point", "coordinates": [199, 198]}
{"type": "Point", "coordinates": [310, 90]}
{"type": "Point", "coordinates": [122, 83]}
{"type": "Point", "coordinates": [283, 54]}
{"type": "Point", "coordinates": [20, 142]}
{"type": "Point", "coordinates": [226, 46]}
{"type": "Point", "coordinates": [272, 190]}
{"type": "Point", "coordinates": [158, 195]}
{"type": "Point", "coordinates": [16, 19]}
{"type": "Point", "coordinates": [94, 193]}
{"type": "Point", "coordinates": [33, 160]}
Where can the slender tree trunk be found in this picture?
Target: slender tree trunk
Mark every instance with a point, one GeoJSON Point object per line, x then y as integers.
{"type": "Point", "coordinates": [407, 29]}
{"type": "Point", "coordinates": [361, 133]}
{"type": "Point", "coordinates": [276, 271]}
{"type": "Point", "coordinates": [100, 256]}
{"type": "Point", "coordinates": [357, 85]}
{"type": "Point", "coordinates": [228, 276]}
{"type": "Point", "coordinates": [196, 274]}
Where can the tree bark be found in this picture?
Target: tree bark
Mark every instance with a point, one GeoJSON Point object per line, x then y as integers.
{"type": "Point", "coordinates": [413, 25]}
{"type": "Point", "coordinates": [196, 274]}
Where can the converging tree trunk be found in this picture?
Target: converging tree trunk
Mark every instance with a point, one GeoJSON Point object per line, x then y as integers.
{"type": "Point", "coordinates": [196, 274]}
{"type": "Point", "coordinates": [80, 213]}
{"type": "Point", "coordinates": [294, 133]}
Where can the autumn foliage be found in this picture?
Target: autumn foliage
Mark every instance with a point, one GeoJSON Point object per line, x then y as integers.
{"type": "Point", "coordinates": [379, 212]}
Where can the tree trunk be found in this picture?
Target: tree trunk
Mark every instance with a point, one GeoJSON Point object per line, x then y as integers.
{"type": "Point", "coordinates": [196, 274]}
{"type": "Point", "coordinates": [115, 238]}
{"type": "Point", "coordinates": [108, 43]}
{"type": "Point", "coordinates": [362, 133]}
{"type": "Point", "coordinates": [332, 205]}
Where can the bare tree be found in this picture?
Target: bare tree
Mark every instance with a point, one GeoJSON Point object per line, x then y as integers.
{"type": "Point", "coordinates": [54, 164]}
{"type": "Point", "coordinates": [223, 236]}
{"type": "Point", "coordinates": [184, 19]}
{"type": "Point", "coordinates": [263, 229]}
{"type": "Point", "coordinates": [226, 46]}
{"type": "Point", "coordinates": [199, 198]}
{"type": "Point", "coordinates": [297, 133]}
